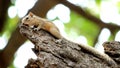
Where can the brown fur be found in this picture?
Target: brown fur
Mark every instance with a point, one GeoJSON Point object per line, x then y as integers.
{"type": "Point", "coordinates": [32, 20]}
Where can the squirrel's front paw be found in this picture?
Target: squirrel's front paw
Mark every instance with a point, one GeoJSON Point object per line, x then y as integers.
{"type": "Point", "coordinates": [34, 27]}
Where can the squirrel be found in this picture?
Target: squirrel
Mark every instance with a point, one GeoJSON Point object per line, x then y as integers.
{"type": "Point", "coordinates": [38, 23]}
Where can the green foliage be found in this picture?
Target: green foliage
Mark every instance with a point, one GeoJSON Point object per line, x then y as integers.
{"type": "Point", "coordinates": [10, 25]}
{"type": "Point", "coordinates": [12, 65]}
{"type": "Point", "coordinates": [113, 34]}
{"type": "Point", "coordinates": [118, 6]}
{"type": "Point", "coordinates": [82, 26]}
{"type": "Point", "coordinates": [98, 2]}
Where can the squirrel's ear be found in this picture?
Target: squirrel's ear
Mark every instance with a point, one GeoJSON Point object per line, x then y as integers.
{"type": "Point", "coordinates": [31, 14]}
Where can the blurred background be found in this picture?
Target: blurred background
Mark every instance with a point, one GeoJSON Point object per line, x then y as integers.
{"type": "Point", "coordinates": [90, 22]}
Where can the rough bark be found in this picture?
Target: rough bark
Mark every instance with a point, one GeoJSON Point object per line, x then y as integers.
{"type": "Point", "coordinates": [113, 50]}
{"type": "Point", "coordinates": [59, 53]}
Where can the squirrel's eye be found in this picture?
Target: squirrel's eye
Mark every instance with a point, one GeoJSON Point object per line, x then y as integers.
{"type": "Point", "coordinates": [27, 18]}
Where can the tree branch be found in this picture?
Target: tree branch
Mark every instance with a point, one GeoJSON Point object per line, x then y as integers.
{"type": "Point", "coordinates": [60, 53]}
{"type": "Point", "coordinates": [4, 5]}
{"type": "Point", "coordinates": [90, 17]}
{"type": "Point", "coordinates": [113, 49]}
{"type": "Point", "coordinates": [112, 27]}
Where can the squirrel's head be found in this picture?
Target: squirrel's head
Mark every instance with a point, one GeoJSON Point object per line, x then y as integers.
{"type": "Point", "coordinates": [31, 20]}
